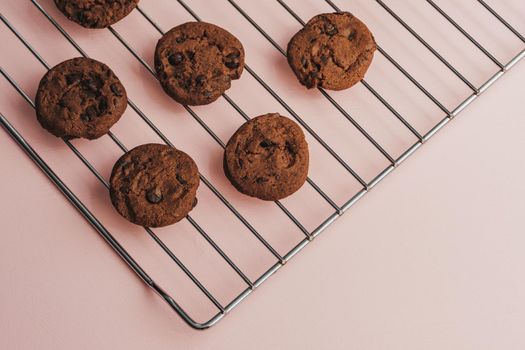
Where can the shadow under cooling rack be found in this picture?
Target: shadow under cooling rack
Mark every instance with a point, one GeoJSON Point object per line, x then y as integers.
{"type": "Point", "coordinates": [351, 154]}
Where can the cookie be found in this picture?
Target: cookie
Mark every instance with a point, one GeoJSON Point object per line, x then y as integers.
{"type": "Point", "coordinates": [332, 51]}
{"type": "Point", "coordinates": [96, 13]}
{"type": "Point", "coordinates": [267, 157]}
{"type": "Point", "coordinates": [80, 97]}
{"type": "Point", "coordinates": [196, 62]}
{"type": "Point", "coordinates": [154, 185]}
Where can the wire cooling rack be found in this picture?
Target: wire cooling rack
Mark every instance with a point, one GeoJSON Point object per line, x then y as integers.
{"type": "Point", "coordinates": [320, 191]}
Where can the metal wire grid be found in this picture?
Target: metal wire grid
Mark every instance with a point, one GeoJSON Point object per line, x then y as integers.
{"type": "Point", "coordinates": [251, 285]}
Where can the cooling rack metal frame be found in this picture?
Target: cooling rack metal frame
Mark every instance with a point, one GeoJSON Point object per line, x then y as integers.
{"type": "Point", "coordinates": [309, 236]}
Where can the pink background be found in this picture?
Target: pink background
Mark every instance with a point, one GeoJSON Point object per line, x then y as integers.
{"type": "Point", "coordinates": [432, 258]}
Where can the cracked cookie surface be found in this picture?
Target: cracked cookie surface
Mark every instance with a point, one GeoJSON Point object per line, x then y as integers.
{"type": "Point", "coordinates": [332, 51]}
{"type": "Point", "coordinates": [267, 157]}
{"type": "Point", "coordinates": [154, 185]}
{"type": "Point", "coordinates": [80, 97]}
{"type": "Point", "coordinates": [96, 13]}
{"type": "Point", "coordinates": [196, 62]}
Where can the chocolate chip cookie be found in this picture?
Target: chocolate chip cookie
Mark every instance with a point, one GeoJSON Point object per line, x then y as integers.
{"type": "Point", "coordinates": [154, 185]}
{"type": "Point", "coordinates": [96, 13]}
{"type": "Point", "coordinates": [196, 62]}
{"type": "Point", "coordinates": [80, 97]}
{"type": "Point", "coordinates": [267, 157]}
{"type": "Point", "coordinates": [332, 51]}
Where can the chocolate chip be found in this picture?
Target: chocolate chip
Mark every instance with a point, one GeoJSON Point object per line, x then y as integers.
{"type": "Point", "coordinates": [91, 94]}
{"type": "Point", "coordinates": [200, 80]}
{"type": "Point", "coordinates": [190, 54]}
{"type": "Point", "coordinates": [207, 93]}
{"type": "Point", "coordinates": [233, 55]}
{"type": "Point", "coordinates": [195, 201]}
{"type": "Point", "coordinates": [261, 180]}
{"type": "Point", "coordinates": [232, 60]}
{"type": "Point", "coordinates": [116, 89]}
{"type": "Point", "coordinates": [89, 114]}
{"type": "Point", "coordinates": [352, 35]}
{"type": "Point", "coordinates": [176, 58]}
{"type": "Point", "coordinates": [267, 143]}
{"type": "Point", "coordinates": [232, 64]}
{"type": "Point", "coordinates": [102, 105]}
{"type": "Point", "coordinates": [92, 87]}
{"type": "Point", "coordinates": [187, 83]}
{"type": "Point", "coordinates": [63, 102]}
{"type": "Point", "coordinates": [324, 59]}
{"type": "Point", "coordinates": [73, 78]}
{"type": "Point", "coordinates": [304, 62]}
{"type": "Point", "coordinates": [330, 29]}
{"type": "Point", "coordinates": [95, 83]}
{"type": "Point", "coordinates": [181, 180]}
{"type": "Point", "coordinates": [81, 16]}
{"type": "Point", "coordinates": [289, 148]}
{"type": "Point", "coordinates": [180, 39]}
{"type": "Point", "coordinates": [311, 79]}
{"type": "Point", "coordinates": [154, 196]}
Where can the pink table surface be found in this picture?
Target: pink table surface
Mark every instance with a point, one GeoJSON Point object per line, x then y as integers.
{"type": "Point", "coordinates": [431, 259]}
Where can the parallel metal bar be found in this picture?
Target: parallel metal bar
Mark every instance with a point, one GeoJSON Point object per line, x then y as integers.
{"type": "Point", "coordinates": [258, 27]}
{"type": "Point", "coordinates": [427, 45]}
{"type": "Point", "coordinates": [465, 33]}
{"type": "Point", "coordinates": [392, 110]}
{"type": "Point", "coordinates": [413, 80]}
{"type": "Point", "coordinates": [302, 244]}
{"type": "Point", "coordinates": [163, 246]}
{"type": "Point", "coordinates": [189, 10]}
{"type": "Point", "coordinates": [106, 184]}
{"type": "Point", "coordinates": [200, 121]}
{"type": "Point", "coordinates": [292, 12]}
{"type": "Point", "coordinates": [102, 231]}
{"type": "Point", "coordinates": [502, 20]}
{"type": "Point", "coordinates": [214, 135]}
{"type": "Point", "coordinates": [357, 126]}
{"type": "Point", "coordinates": [117, 141]}
{"type": "Point", "coordinates": [115, 245]}
{"type": "Point", "coordinates": [306, 126]}
{"type": "Point", "coordinates": [166, 140]}
{"type": "Point", "coordinates": [323, 92]}
{"type": "Point", "coordinates": [72, 198]}
{"type": "Point", "coordinates": [326, 197]}
{"type": "Point", "coordinates": [401, 69]}
{"type": "Point", "coordinates": [286, 106]}
{"type": "Point", "coordinates": [220, 251]}
{"type": "Point", "coordinates": [277, 266]}
{"type": "Point", "coordinates": [184, 269]}
{"type": "Point", "coordinates": [368, 87]}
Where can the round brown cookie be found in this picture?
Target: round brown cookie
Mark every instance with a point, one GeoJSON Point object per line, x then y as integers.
{"type": "Point", "coordinates": [96, 13]}
{"type": "Point", "coordinates": [332, 51]}
{"type": "Point", "coordinates": [267, 157]}
{"type": "Point", "coordinates": [154, 185]}
{"type": "Point", "coordinates": [196, 62]}
{"type": "Point", "coordinates": [80, 97]}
